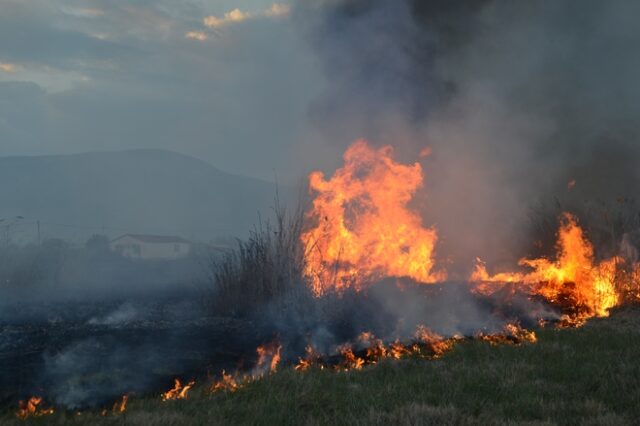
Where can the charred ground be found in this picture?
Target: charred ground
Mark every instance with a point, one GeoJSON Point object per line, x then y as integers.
{"type": "Point", "coordinates": [572, 376]}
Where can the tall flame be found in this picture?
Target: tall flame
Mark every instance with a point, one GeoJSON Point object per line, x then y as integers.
{"type": "Point", "coordinates": [574, 280]}
{"type": "Point", "coordinates": [363, 229]}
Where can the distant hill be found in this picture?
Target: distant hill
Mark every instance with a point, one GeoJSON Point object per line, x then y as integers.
{"type": "Point", "coordinates": [143, 191]}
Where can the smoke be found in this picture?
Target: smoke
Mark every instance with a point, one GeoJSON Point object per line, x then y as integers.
{"type": "Point", "coordinates": [515, 100]}
{"type": "Point", "coordinates": [87, 355]}
{"type": "Point", "coordinates": [393, 309]}
{"type": "Point", "coordinates": [125, 314]}
{"type": "Point", "coordinates": [96, 371]}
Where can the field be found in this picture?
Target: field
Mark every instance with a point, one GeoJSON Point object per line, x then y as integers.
{"type": "Point", "coordinates": [588, 375]}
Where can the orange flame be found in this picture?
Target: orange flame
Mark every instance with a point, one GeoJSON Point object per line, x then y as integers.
{"type": "Point", "coordinates": [397, 350]}
{"type": "Point", "coordinates": [312, 357]}
{"type": "Point", "coordinates": [375, 347]}
{"type": "Point", "coordinates": [121, 405]}
{"type": "Point", "coordinates": [350, 361]}
{"type": "Point", "coordinates": [32, 408]}
{"type": "Point", "coordinates": [268, 358]}
{"type": "Point", "coordinates": [178, 392]}
{"type": "Point", "coordinates": [512, 334]}
{"type": "Point", "coordinates": [438, 344]}
{"type": "Point", "coordinates": [362, 228]}
{"type": "Point", "coordinates": [574, 281]}
{"type": "Point", "coordinates": [227, 383]}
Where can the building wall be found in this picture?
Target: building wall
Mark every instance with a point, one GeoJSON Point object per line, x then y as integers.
{"type": "Point", "coordinates": [136, 249]}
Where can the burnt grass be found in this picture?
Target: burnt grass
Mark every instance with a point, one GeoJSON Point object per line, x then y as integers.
{"type": "Point", "coordinates": [589, 375]}
{"type": "Point", "coordinates": [85, 354]}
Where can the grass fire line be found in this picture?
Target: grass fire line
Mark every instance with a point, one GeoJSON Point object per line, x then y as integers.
{"type": "Point", "coordinates": [474, 381]}
{"type": "Point", "coordinates": [360, 230]}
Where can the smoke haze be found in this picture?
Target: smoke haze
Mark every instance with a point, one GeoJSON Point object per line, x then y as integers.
{"type": "Point", "coordinates": [515, 100]}
{"type": "Point", "coordinates": [524, 109]}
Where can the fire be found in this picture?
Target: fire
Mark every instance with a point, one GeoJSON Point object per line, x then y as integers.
{"type": "Point", "coordinates": [268, 359]}
{"type": "Point", "coordinates": [350, 361]}
{"type": "Point", "coordinates": [312, 357]}
{"type": "Point", "coordinates": [363, 229]}
{"type": "Point", "coordinates": [574, 281]}
{"type": "Point", "coordinates": [436, 343]}
{"type": "Point", "coordinates": [227, 383]}
{"type": "Point", "coordinates": [375, 347]}
{"type": "Point", "coordinates": [397, 350]}
{"type": "Point", "coordinates": [512, 334]}
{"type": "Point", "coordinates": [178, 392]}
{"type": "Point", "coordinates": [121, 405]}
{"type": "Point", "coordinates": [32, 408]}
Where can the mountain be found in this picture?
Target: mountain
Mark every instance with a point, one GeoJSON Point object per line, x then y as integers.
{"type": "Point", "coordinates": [143, 191]}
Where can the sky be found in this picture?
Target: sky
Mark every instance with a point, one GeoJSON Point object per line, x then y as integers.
{"type": "Point", "coordinates": [514, 99]}
{"type": "Point", "coordinates": [225, 81]}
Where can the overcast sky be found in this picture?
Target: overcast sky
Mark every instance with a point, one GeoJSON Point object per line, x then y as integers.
{"type": "Point", "coordinates": [228, 81]}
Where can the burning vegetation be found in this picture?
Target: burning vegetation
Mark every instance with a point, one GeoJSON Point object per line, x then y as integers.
{"type": "Point", "coordinates": [575, 282]}
{"type": "Point", "coordinates": [179, 391]}
{"type": "Point", "coordinates": [322, 273]}
{"type": "Point", "coordinates": [363, 230]}
{"type": "Point", "coordinates": [33, 407]}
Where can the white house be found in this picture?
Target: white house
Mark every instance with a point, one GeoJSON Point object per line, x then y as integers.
{"type": "Point", "coordinates": [151, 247]}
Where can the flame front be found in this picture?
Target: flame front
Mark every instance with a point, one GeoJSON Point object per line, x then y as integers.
{"type": "Point", "coordinates": [227, 383]}
{"type": "Point", "coordinates": [362, 227]}
{"type": "Point", "coordinates": [574, 281]}
{"type": "Point", "coordinates": [32, 408]}
{"type": "Point", "coordinates": [268, 359]}
{"type": "Point", "coordinates": [178, 391]}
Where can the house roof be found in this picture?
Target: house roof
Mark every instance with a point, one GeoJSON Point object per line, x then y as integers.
{"type": "Point", "coordinates": [159, 239]}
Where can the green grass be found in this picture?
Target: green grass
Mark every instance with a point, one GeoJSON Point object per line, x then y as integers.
{"type": "Point", "coordinates": [586, 376]}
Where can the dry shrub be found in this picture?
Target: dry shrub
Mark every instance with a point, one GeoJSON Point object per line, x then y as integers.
{"type": "Point", "coordinates": [267, 267]}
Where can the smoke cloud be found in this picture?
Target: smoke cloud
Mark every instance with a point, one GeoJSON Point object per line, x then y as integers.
{"type": "Point", "coordinates": [515, 100]}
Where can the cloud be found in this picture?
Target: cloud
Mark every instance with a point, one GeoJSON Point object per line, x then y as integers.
{"type": "Point", "coordinates": [85, 12]}
{"type": "Point", "coordinates": [233, 17]}
{"type": "Point", "coordinates": [8, 68]}
{"type": "Point", "coordinates": [196, 35]}
{"type": "Point", "coordinates": [278, 10]}
{"type": "Point", "coordinates": [236, 16]}
{"type": "Point", "coordinates": [139, 78]}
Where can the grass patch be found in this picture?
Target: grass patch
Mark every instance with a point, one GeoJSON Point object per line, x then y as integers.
{"type": "Point", "coordinates": [573, 376]}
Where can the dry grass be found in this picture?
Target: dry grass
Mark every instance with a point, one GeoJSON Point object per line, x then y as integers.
{"type": "Point", "coordinates": [267, 267]}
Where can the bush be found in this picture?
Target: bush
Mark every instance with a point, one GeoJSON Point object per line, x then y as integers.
{"type": "Point", "coordinates": [267, 267]}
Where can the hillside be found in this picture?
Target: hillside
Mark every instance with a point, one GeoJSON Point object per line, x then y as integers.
{"type": "Point", "coordinates": [146, 191]}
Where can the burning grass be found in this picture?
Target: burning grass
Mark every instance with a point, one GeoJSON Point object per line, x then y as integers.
{"type": "Point", "coordinates": [587, 375]}
{"type": "Point", "coordinates": [362, 260]}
